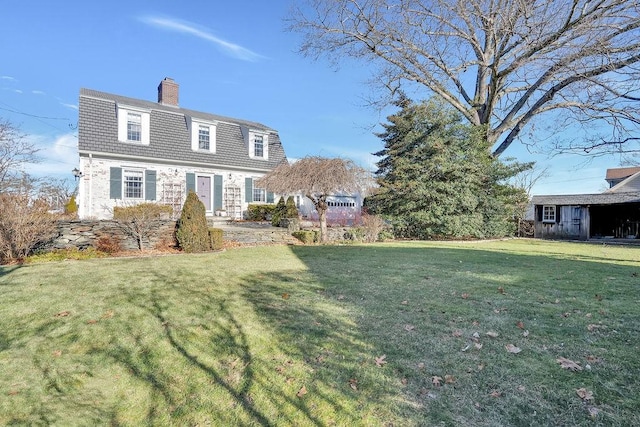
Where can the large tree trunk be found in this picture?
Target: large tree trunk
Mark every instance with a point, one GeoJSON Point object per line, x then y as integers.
{"type": "Point", "coordinates": [322, 213]}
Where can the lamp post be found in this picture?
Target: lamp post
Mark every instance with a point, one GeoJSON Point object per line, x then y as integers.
{"type": "Point", "coordinates": [77, 173]}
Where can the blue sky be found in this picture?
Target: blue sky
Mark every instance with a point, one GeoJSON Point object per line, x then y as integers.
{"type": "Point", "coordinates": [230, 58]}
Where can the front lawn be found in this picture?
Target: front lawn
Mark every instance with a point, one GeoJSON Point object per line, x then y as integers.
{"type": "Point", "coordinates": [517, 332]}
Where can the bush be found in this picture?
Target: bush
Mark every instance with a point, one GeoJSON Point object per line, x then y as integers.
{"type": "Point", "coordinates": [71, 207]}
{"type": "Point", "coordinates": [215, 238]}
{"type": "Point", "coordinates": [141, 221]}
{"type": "Point", "coordinates": [24, 223]}
{"type": "Point", "coordinates": [305, 236]}
{"type": "Point", "coordinates": [192, 231]}
{"type": "Point", "coordinates": [65, 254]}
{"type": "Point", "coordinates": [372, 226]}
{"type": "Point", "coordinates": [260, 212]}
{"type": "Point", "coordinates": [278, 212]}
{"type": "Point", "coordinates": [291, 210]}
{"type": "Point", "coordinates": [109, 244]}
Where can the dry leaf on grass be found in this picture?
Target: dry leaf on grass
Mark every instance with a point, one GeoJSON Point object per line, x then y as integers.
{"type": "Point", "coordinates": [405, 302]}
{"type": "Point", "coordinates": [525, 334]}
{"type": "Point", "coordinates": [492, 334]}
{"type": "Point", "coordinates": [57, 353]}
{"type": "Point", "coordinates": [520, 325]}
{"type": "Point", "coordinates": [449, 379]}
{"type": "Point", "coordinates": [478, 346]}
{"type": "Point", "coordinates": [457, 333]}
{"type": "Point", "coordinates": [62, 314]}
{"type": "Point", "coordinates": [302, 391]}
{"type": "Point", "coordinates": [593, 411]}
{"type": "Point", "coordinates": [380, 360]}
{"type": "Point", "coordinates": [108, 314]}
{"type": "Point", "coordinates": [353, 383]}
{"type": "Point", "coordinates": [404, 381]}
{"type": "Point", "coordinates": [584, 394]}
{"type": "Point", "coordinates": [409, 328]}
{"type": "Point", "coordinates": [593, 327]}
{"type": "Point", "coordinates": [92, 322]}
{"type": "Point", "coordinates": [568, 364]}
{"type": "Point", "coordinates": [495, 393]}
{"type": "Point", "coordinates": [421, 365]}
{"type": "Point", "coordinates": [465, 295]}
{"type": "Point", "coordinates": [436, 380]}
{"type": "Point", "coordinates": [501, 289]}
{"type": "Point", "coordinates": [513, 349]}
{"type": "Point", "coordinates": [285, 296]}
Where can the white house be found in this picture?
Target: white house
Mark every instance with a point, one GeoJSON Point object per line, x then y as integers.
{"type": "Point", "coordinates": [133, 150]}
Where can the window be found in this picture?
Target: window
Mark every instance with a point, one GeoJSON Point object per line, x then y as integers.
{"type": "Point", "coordinates": [258, 146]}
{"type": "Point", "coordinates": [133, 183]}
{"type": "Point", "coordinates": [203, 137]}
{"type": "Point", "coordinates": [548, 214]}
{"type": "Point", "coordinates": [134, 127]}
{"type": "Point", "coordinates": [259, 195]}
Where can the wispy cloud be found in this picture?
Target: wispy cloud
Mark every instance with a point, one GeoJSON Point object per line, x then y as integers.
{"type": "Point", "coordinates": [7, 78]}
{"type": "Point", "coordinates": [58, 155]}
{"type": "Point", "coordinates": [38, 92]}
{"type": "Point", "coordinates": [72, 106]}
{"type": "Point", "coordinates": [189, 28]}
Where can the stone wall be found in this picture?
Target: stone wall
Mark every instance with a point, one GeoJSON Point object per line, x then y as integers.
{"type": "Point", "coordinates": [83, 234]}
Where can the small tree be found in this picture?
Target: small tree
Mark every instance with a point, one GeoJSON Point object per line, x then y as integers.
{"type": "Point", "coordinates": [71, 207]}
{"type": "Point", "coordinates": [24, 223]}
{"type": "Point", "coordinates": [279, 212]}
{"type": "Point", "coordinates": [141, 221]}
{"type": "Point", "coordinates": [316, 178]}
{"type": "Point", "coordinates": [193, 233]}
{"type": "Point", "coordinates": [291, 210]}
{"type": "Point", "coordinates": [15, 151]}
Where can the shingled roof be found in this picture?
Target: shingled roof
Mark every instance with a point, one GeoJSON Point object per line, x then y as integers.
{"type": "Point", "coordinates": [169, 135]}
{"type": "Point", "coordinates": [621, 173]}
{"type": "Point", "coordinates": [587, 199]}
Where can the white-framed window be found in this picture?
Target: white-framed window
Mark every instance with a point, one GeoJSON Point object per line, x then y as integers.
{"type": "Point", "coordinates": [259, 195]}
{"type": "Point", "coordinates": [548, 213]}
{"type": "Point", "coordinates": [133, 184]}
{"type": "Point", "coordinates": [258, 146]}
{"type": "Point", "coordinates": [133, 125]}
{"type": "Point", "coordinates": [203, 135]}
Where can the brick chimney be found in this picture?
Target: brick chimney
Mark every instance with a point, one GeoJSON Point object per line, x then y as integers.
{"type": "Point", "coordinates": [168, 92]}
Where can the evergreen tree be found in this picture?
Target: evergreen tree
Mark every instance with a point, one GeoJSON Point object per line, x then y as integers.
{"type": "Point", "coordinates": [437, 178]}
{"type": "Point", "coordinates": [192, 231]}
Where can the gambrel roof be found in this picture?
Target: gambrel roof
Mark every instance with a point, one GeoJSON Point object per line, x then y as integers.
{"type": "Point", "coordinates": [607, 198]}
{"type": "Point", "coordinates": [169, 139]}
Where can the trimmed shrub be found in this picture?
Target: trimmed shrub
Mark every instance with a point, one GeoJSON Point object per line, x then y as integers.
{"type": "Point", "coordinates": [215, 238]}
{"type": "Point", "coordinates": [71, 207]}
{"type": "Point", "coordinates": [260, 212]}
{"type": "Point", "coordinates": [192, 230]}
{"type": "Point", "coordinates": [141, 221]}
{"type": "Point", "coordinates": [307, 237]}
{"type": "Point", "coordinates": [291, 210]}
{"type": "Point", "coordinates": [109, 244]}
{"type": "Point", "coordinates": [278, 212]}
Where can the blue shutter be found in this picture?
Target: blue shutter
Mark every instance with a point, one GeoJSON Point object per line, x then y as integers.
{"type": "Point", "coordinates": [115, 183]}
{"type": "Point", "coordinates": [248, 190]}
{"type": "Point", "coordinates": [269, 197]}
{"type": "Point", "coordinates": [217, 192]}
{"type": "Point", "coordinates": [191, 182]}
{"type": "Point", "coordinates": [149, 184]}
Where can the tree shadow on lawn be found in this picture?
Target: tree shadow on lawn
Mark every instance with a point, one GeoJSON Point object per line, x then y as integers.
{"type": "Point", "coordinates": [411, 303]}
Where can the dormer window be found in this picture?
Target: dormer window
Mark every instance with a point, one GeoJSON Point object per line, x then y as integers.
{"type": "Point", "coordinates": [203, 135]}
{"type": "Point", "coordinates": [133, 125]}
{"type": "Point", "coordinates": [258, 146]}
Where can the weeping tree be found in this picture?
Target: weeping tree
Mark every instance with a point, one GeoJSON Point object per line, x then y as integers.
{"type": "Point", "coordinates": [501, 64]}
{"type": "Point", "coordinates": [316, 178]}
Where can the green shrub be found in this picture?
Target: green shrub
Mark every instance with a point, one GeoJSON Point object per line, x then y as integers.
{"type": "Point", "coordinates": [215, 238]}
{"type": "Point", "coordinates": [305, 236]}
{"type": "Point", "coordinates": [141, 221]}
{"type": "Point", "coordinates": [192, 231]}
{"type": "Point", "coordinates": [291, 210]}
{"type": "Point", "coordinates": [278, 212]}
{"type": "Point", "coordinates": [71, 207]}
{"type": "Point", "coordinates": [260, 212]}
{"type": "Point", "coordinates": [65, 254]}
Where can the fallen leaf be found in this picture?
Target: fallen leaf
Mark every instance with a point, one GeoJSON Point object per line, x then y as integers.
{"type": "Point", "coordinates": [13, 392]}
{"type": "Point", "coordinates": [480, 367]}
{"type": "Point", "coordinates": [405, 302]}
{"type": "Point", "coordinates": [421, 365]}
{"type": "Point", "coordinates": [593, 327]}
{"type": "Point", "coordinates": [108, 314]}
{"type": "Point", "coordinates": [513, 349]}
{"type": "Point", "coordinates": [57, 353]}
{"type": "Point", "coordinates": [522, 388]}
{"type": "Point", "coordinates": [465, 295]}
{"type": "Point", "coordinates": [588, 315]}
{"type": "Point", "coordinates": [285, 296]}
{"type": "Point", "coordinates": [436, 380]}
{"type": "Point", "coordinates": [449, 379]}
{"type": "Point", "coordinates": [492, 334]}
{"type": "Point", "coordinates": [495, 393]}
{"type": "Point", "coordinates": [496, 311]}
{"type": "Point", "coordinates": [478, 346]}
{"type": "Point", "coordinates": [525, 334]}
{"type": "Point", "coordinates": [380, 360]}
{"type": "Point", "coordinates": [63, 314]}
{"type": "Point", "coordinates": [404, 381]}
{"type": "Point", "coordinates": [475, 323]}
{"type": "Point", "coordinates": [520, 325]}
{"type": "Point", "coordinates": [457, 333]}
{"type": "Point", "coordinates": [569, 364]}
{"type": "Point", "coordinates": [584, 394]}
{"type": "Point", "coordinates": [409, 328]}
{"type": "Point", "coordinates": [501, 289]}
{"type": "Point", "coordinates": [593, 359]}
{"type": "Point", "coordinates": [353, 383]}
{"type": "Point", "coordinates": [476, 335]}
{"type": "Point", "coordinates": [302, 391]}
{"type": "Point", "coordinates": [340, 297]}
{"type": "Point", "coordinates": [467, 347]}
{"type": "Point", "coordinates": [92, 322]}
{"type": "Point", "coordinates": [599, 297]}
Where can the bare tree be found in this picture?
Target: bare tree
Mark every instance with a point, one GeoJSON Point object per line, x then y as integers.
{"type": "Point", "coordinates": [316, 178]}
{"type": "Point", "coordinates": [15, 151]}
{"type": "Point", "coordinates": [501, 63]}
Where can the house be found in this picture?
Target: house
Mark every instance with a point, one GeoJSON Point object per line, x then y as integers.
{"type": "Point", "coordinates": [133, 151]}
{"type": "Point", "coordinates": [613, 214]}
{"type": "Point", "coordinates": [342, 209]}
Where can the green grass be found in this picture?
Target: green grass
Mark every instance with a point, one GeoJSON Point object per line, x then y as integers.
{"type": "Point", "coordinates": [232, 338]}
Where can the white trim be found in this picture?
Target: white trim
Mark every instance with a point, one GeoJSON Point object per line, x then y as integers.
{"type": "Point", "coordinates": [549, 208]}
{"type": "Point", "coordinates": [194, 126]}
{"type": "Point", "coordinates": [145, 124]}
{"type": "Point", "coordinates": [126, 169]}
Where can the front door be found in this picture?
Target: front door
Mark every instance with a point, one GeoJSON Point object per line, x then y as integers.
{"type": "Point", "coordinates": [204, 191]}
